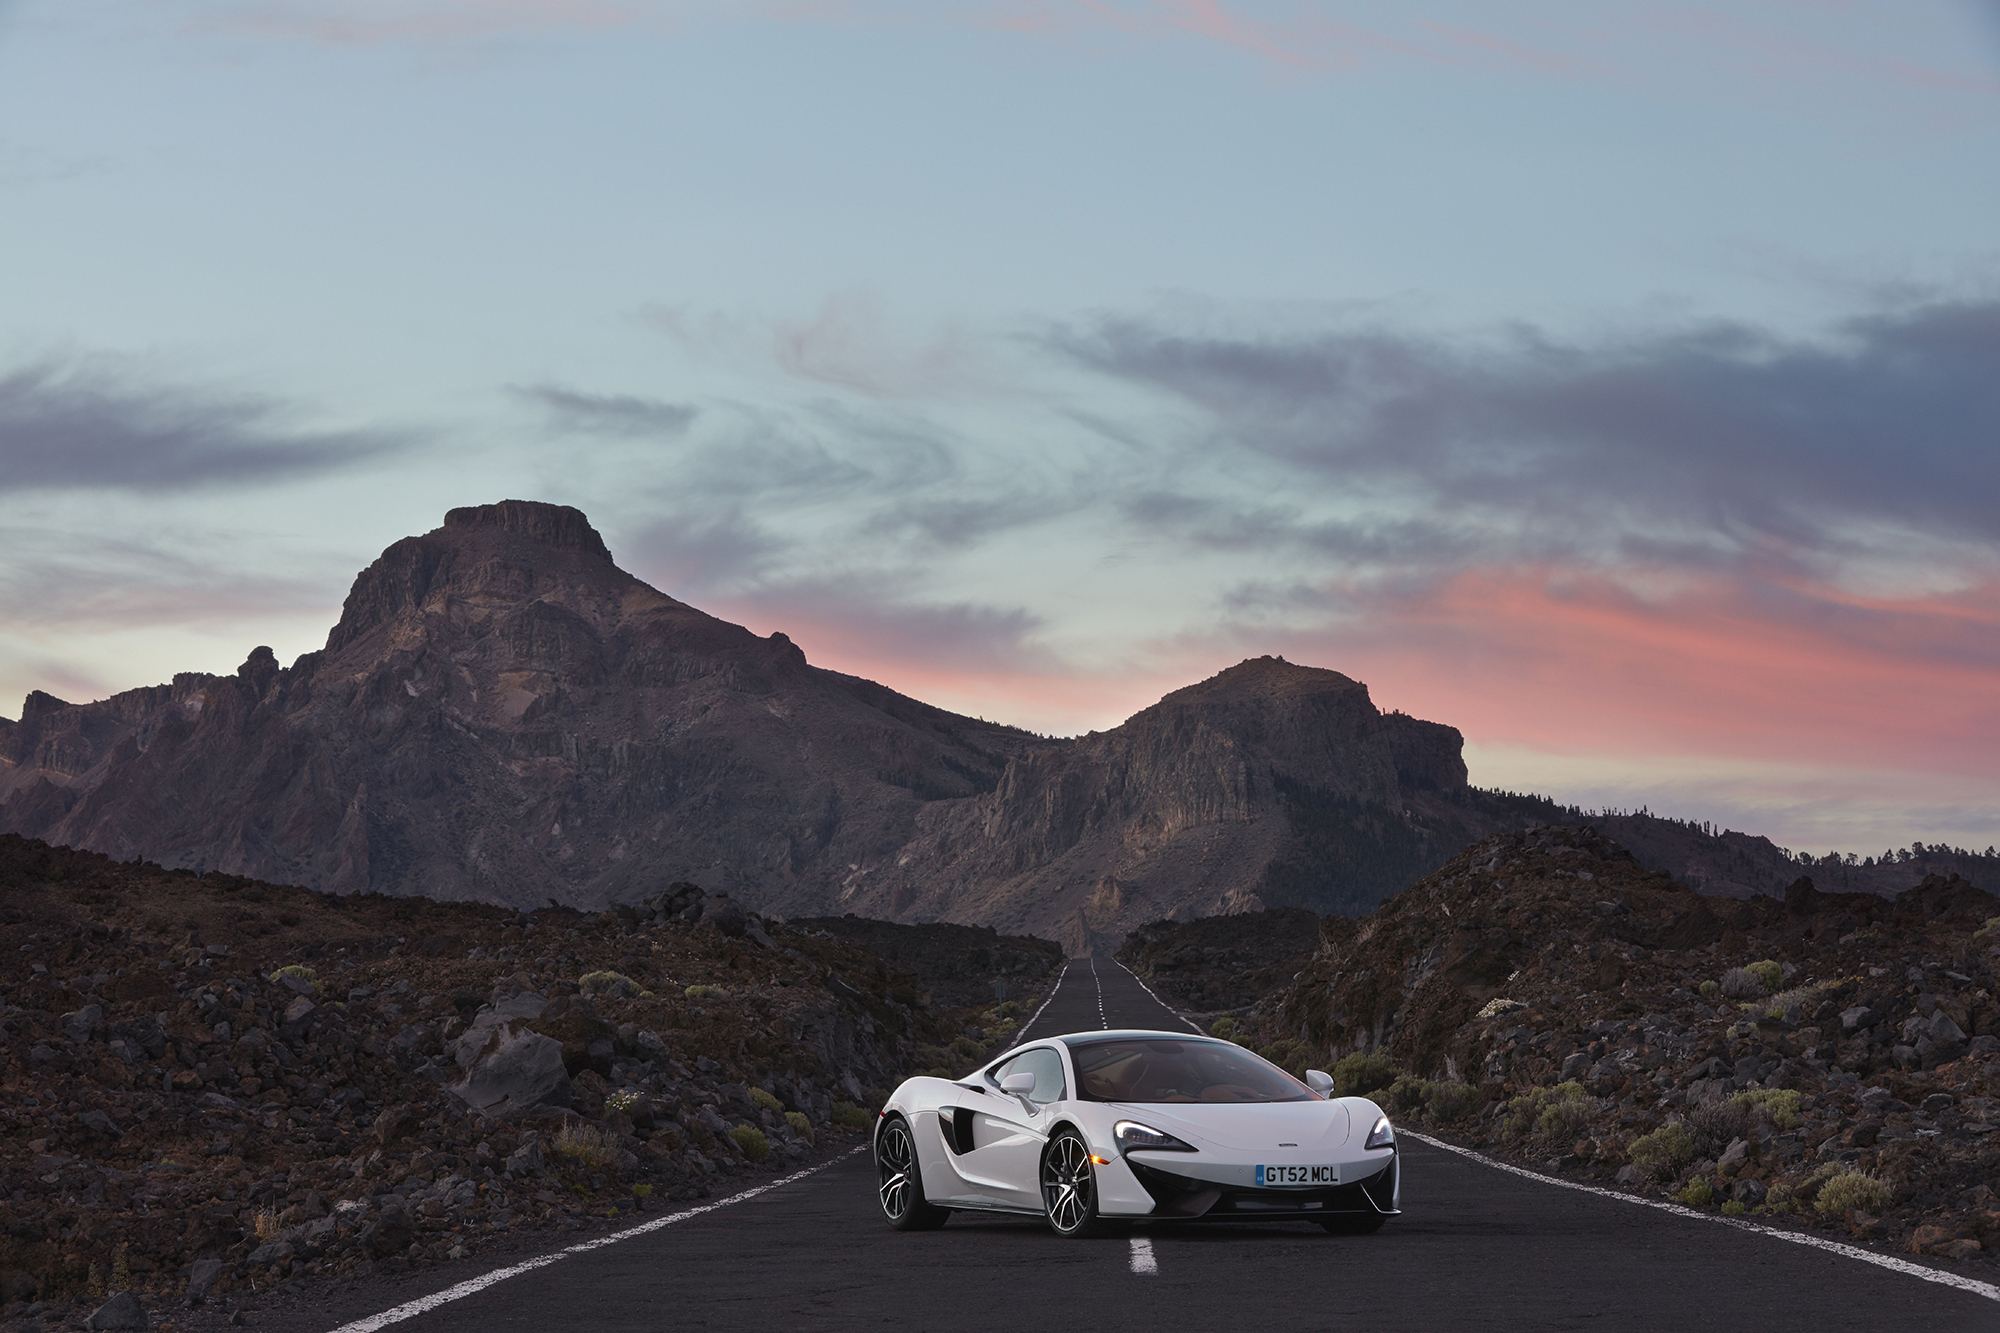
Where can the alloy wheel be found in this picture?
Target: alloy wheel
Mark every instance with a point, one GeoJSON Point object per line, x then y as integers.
{"type": "Point", "coordinates": [893, 1171]}
{"type": "Point", "coordinates": [1067, 1184]}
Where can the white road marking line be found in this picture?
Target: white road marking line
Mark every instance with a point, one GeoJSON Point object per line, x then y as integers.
{"type": "Point", "coordinates": [423, 1304]}
{"type": "Point", "coordinates": [1022, 1034]}
{"type": "Point", "coordinates": [1162, 1003]}
{"type": "Point", "coordinates": [1890, 1262]}
{"type": "Point", "coordinates": [1102, 1021]}
{"type": "Point", "coordinates": [1142, 1256]}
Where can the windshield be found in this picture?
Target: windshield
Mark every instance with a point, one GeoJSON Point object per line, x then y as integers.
{"type": "Point", "coordinates": [1160, 1069]}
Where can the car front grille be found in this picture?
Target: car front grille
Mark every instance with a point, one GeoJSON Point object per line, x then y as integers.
{"type": "Point", "coordinates": [1184, 1196]}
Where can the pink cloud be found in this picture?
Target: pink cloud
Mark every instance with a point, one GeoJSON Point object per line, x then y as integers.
{"type": "Point", "coordinates": [1560, 659]}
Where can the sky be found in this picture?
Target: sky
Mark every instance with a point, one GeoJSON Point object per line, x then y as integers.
{"type": "Point", "coordinates": [1619, 383]}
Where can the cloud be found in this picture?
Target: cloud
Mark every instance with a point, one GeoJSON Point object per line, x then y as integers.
{"type": "Point", "coordinates": [61, 581]}
{"type": "Point", "coordinates": [1581, 659]}
{"type": "Point", "coordinates": [1695, 445]}
{"type": "Point", "coordinates": [609, 414]}
{"type": "Point", "coordinates": [78, 429]}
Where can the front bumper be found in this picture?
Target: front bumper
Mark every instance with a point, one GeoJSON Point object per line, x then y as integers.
{"type": "Point", "coordinates": [1177, 1196]}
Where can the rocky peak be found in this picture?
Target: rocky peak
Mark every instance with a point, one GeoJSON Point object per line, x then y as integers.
{"type": "Point", "coordinates": [514, 552]}
{"type": "Point", "coordinates": [558, 527]}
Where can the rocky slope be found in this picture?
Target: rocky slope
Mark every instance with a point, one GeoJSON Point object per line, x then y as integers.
{"type": "Point", "coordinates": [1826, 1059]}
{"type": "Point", "coordinates": [503, 715]}
{"type": "Point", "coordinates": [214, 1085]}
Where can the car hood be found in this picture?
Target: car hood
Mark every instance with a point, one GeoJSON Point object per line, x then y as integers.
{"type": "Point", "coordinates": [1250, 1126]}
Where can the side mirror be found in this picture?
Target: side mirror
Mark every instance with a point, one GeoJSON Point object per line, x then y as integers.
{"type": "Point", "coordinates": [1320, 1082]}
{"type": "Point", "coordinates": [1021, 1085]}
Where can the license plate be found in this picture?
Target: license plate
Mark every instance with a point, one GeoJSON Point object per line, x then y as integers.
{"type": "Point", "coordinates": [1298, 1175]}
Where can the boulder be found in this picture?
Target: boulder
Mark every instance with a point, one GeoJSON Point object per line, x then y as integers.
{"type": "Point", "coordinates": [202, 1278]}
{"type": "Point", "coordinates": [121, 1311]}
{"type": "Point", "coordinates": [516, 1074]}
{"type": "Point", "coordinates": [97, 1122]}
{"type": "Point", "coordinates": [79, 1025]}
{"type": "Point", "coordinates": [491, 1023]}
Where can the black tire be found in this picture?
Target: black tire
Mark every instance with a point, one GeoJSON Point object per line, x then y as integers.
{"type": "Point", "coordinates": [899, 1181]}
{"type": "Point", "coordinates": [1069, 1186]}
{"type": "Point", "coordinates": [1354, 1224]}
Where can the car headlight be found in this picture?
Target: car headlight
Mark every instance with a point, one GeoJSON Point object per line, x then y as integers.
{"type": "Point", "coordinates": [1132, 1134]}
{"type": "Point", "coordinates": [1381, 1136]}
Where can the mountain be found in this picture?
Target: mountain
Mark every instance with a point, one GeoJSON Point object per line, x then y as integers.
{"type": "Point", "coordinates": [502, 714]}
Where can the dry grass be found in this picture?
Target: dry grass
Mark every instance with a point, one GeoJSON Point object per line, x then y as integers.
{"type": "Point", "coordinates": [586, 1143]}
{"type": "Point", "coordinates": [265, 1224]}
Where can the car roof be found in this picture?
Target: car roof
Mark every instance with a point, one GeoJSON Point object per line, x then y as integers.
{"type": "Point", "coordinates": [1115, 1034]}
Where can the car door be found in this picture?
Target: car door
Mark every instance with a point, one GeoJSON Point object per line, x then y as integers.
{"type": "Point", "coordinates": [1008, 1131]}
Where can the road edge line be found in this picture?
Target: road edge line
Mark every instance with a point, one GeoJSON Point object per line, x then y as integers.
{"type": "Point", "coordinates": [1888, 1261]}
{"type": "Point", "coordinates": [1036, 1017]}
{"type": "Point", "coordinates": [1162, 1003]}
{"type": "Point", "coordinates": [471, 1286]}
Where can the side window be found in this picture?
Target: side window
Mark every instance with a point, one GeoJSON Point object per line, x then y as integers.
{"type": "Point", "coordinates": [1045, 1064]}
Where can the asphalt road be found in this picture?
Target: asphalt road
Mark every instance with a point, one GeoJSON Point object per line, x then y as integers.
{"type": "Point", "coordinates": [1476, 1248]}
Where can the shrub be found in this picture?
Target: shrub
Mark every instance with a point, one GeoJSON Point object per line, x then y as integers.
{"type": "Point", "coordinates": [752, 1141]}
{"type": "Point", "coordinates": [1524, 1113]}
{"type": "Point", "coordinates": [1662, 1153]}
{"type": "Point", "coordinates": [1710, 989]}
{"type": "Point", "coordinates": [1361, 1073]}
{"type": "Point", "coordinates": [1452, 1101]}
{"type": "Point", "coordinates": [800, 1125]}
{"type": "Point", "coordinates": [642, 1191]}
{"type": "Point", "coordinates": [1566, 1120]}
{"type": "Point", "coordinates": [1732, 1209]}
{"type": "Point", "coordinates": [1714, 1121]}
{"type": "Point", "coordinates": [622, 1101]}
{"type": "Point", "coordinates": [849, 1116]}
{"type": "Point", "coordinates": [707, 993]}
{"type": "Point", "coordinates": [1780, 1104]}
{"type": "Point", "coordinates": [1223, 1027]}
{"type": "Point", "coordinates": [1799, 1194]}
{"type": "Point", "coordinates": [608, 983]}
{"type": "Point", "coordinates": [1769, 971]}
{"type": "Point", "coordinates": [298, 972]}
{"type": "Point", "coordinates": [764, 1101]}
{"type": "Point", "coordinates": [1293, 1056]}
{"type": "Point", "coordinates": [1852, 1191]}
{"type": "Point", "coordinates": [1740, 983]}
{"type": "Point", "coordinates": [586, 1143]}
{"type": "Point", "coordinates": [965, 1048]}
{"type": "Point", "coordinates": [1698, 1194]}
{"type": "Point", "coordinates": [1499, 1005]}
{"type": "Point", "coordinates": [265, 1223]}
{"type": "Point", "coordinates": [1405, 1095]}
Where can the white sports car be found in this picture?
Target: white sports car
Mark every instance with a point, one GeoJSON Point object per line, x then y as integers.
{"type": "Point", "coordinates": [1091, 1127]}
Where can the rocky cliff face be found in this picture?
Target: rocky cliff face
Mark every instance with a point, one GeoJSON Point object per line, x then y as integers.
{"type": "Point", "coordinates": [502, 714]}
{"type": "Point", "coordinates": [1183, 811]}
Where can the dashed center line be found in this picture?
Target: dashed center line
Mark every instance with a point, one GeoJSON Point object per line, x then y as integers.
{"type": "Point", "coordinates": [1102, 1021]}
{"type": "Point", "coordinates": [1142, 1256]}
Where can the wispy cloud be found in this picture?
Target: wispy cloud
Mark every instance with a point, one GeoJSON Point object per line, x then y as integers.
{"type": "Point", "coordinates": [60, 583]}
{"type": "Point", "coordinates": [1696, 445]}
{"type": "Point", "coordinates": [609, 414]}
{"type": "Point", "coordinates": [76, 427]}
